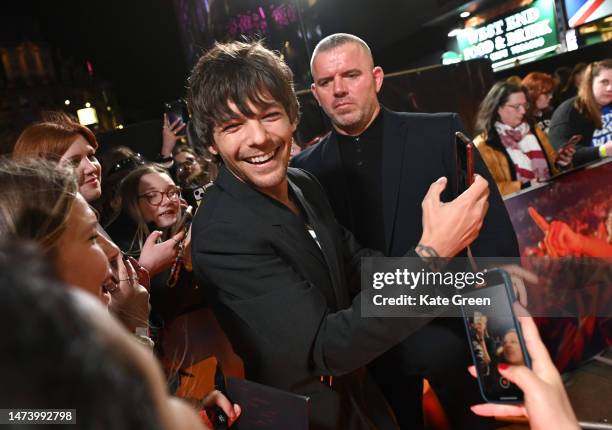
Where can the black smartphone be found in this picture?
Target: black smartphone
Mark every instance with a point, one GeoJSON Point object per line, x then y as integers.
{"type": "Point", "coordinates": [465, 161]}
{"type": "Point", "coordinates": [495, 337]}
{"type": "Point", "coordinates": [176, 109]}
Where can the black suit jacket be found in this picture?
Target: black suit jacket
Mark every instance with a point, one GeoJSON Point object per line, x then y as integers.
{"type": "Point", "coordinates": [286, 305]}
{"type": "Point", "coordinates": [418, 149]}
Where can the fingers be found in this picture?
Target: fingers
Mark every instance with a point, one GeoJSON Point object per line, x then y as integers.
{"type": "Point", "coordinates": [237, 412]}
{"type": "Point", "coordinates": [152, 239]}
{"type": "Point", "coordinates": [435, 189]}
{"type": "Point", "coordinates": [216, 399]}
{"type": "Point", "coordinates": [515, 269]}
{"type": "Point", "coordinates": [122, 272]}
{"type": "Point", "coordinates": [178, 237]}
{"type": "Point", "coordinates": [131, 272]}
{"type": "Point", "coordinates": [522, 376]}
{"type": "Point", "coordinates": [535, 347]}
{"type": "Point", "coordinates": [479, 189]}
{"type": "Point", "coordinates": [472, 371]}
{"type": "Point", "coordinates": [520, 291]}
{"type": "Point", "coordinates": [491, 410]}
{"type": "Point", "coordinates": [538, 219]}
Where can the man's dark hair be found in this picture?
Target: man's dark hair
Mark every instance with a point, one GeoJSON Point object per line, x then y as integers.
{"type": "Point", "coordinates": [240, 73]}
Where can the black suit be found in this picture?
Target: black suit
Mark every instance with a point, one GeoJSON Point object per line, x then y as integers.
{"type": "Point", "coordinates": [286, 305]}
{"type": "Point", "coordinates": [417, 149]}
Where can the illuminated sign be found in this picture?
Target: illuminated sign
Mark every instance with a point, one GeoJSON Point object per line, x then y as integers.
{"type": "Point", "coordinates": [524, 35]}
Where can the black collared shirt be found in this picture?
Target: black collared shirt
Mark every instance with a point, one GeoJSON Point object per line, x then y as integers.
{"type": "Point", "coordinates": [361, 158]}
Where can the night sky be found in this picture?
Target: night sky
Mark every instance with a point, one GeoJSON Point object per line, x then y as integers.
{"type": "Point", "coordinates": [134, 44]}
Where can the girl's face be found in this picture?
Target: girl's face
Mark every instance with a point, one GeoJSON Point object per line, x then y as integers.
{"type": "Point", "coordinates": [602, 87]}
{"type": "Point", "coordinates": [159, 199]}
{"type": "Point", "coordinates": [83, 255]}
{"type": "Point", "coordinates": [88, 170]}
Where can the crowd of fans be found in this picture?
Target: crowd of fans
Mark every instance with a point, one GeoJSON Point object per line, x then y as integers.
{"type": "Point", "coordinates": [119, 229]}
{"type": "Point", "coordinates": [524, 138]}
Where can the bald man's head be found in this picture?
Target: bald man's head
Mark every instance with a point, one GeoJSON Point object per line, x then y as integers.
{"type": "Point", "coordinates": [337, 40]}
{"type": "Point", "coordinates": [346, 83]}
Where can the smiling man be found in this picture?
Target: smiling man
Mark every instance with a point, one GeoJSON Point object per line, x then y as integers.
{"type": "Point", "coordinates": [272, 256]}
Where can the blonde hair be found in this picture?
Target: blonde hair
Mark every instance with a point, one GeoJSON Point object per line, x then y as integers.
{"type": "Point", "coordinates": [35, 200]}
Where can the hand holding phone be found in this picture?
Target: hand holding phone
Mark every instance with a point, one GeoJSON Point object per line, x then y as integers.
{"type": "Point", "coordinates": [495, 338]}
{"type": "Point", "coordinates": [567, 151]}
{"type": "Point", "coordinates": [543, 382]}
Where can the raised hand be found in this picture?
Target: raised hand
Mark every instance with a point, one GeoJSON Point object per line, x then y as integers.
{"type": "Point", "coordinates": [450, 227]}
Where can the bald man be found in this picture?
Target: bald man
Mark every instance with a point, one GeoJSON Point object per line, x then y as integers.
{"type": "Point", "coordinates": [376, 166]}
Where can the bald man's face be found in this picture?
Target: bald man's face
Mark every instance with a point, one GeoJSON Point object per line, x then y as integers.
{"type": "Point", "coordinates": [346, 85]}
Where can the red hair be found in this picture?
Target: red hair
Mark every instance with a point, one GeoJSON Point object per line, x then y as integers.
{"type": "Point", "coordinates": [51, 137]}
{"type": "Point", "coordinates": [538, 83]}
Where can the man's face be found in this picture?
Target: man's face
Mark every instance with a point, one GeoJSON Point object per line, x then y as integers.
{"type": "Point", "coordinates": [346, 85]}
{"type": "Point", "coordinates": [257, 149]}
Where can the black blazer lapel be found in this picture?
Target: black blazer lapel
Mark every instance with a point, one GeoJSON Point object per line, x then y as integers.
{"type": "Point", "coordinates": [328, 247]}
{"type": "Point", "coordinates": [289, 228]}
{"type": "Point", "coordinates": [393, 152]}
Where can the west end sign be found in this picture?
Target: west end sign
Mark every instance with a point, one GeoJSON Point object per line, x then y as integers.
{"type": "Point", "coordinates": [524, 35]}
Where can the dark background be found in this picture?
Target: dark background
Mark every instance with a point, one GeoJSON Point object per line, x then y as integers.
{"type": "Point", "coordinates": [133, 44]}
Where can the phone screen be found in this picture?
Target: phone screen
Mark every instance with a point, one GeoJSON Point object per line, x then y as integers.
{"type": "Point", "coordinates": [176, 109]}
{"type": "Point", "coordinates": [465, 164]}
{"type": "Point", "coordinates": [495, 337]}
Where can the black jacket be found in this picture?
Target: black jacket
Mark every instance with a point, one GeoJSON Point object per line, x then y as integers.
{"type": "Point", "coordinates": [417, 149]}
{"type": "Point", "coordinates": [286, 305]}
{"type": "Point", "coordinates": [567, 122]}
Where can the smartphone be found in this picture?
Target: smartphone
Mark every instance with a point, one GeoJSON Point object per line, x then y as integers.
{"type": "Point", "coordinates": [184, 221]}
{"type": "Point", "coordinates": [572, 141]}
{"type": "Point", "coordinates": [176, 109]}
{"type": "Point", "coordinates": [465, 161]}
{"type": "Point", "coordinates": [495, 337]}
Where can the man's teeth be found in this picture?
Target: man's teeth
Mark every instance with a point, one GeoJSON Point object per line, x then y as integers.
{"type": "Point", "coordinates": [261, 158]}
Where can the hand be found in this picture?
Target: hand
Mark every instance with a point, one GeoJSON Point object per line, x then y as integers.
{"type": "Point", "coordinates": [142, 274]}
{"type": "Point", "coordinates": [546, 403]}
{"type": "Point", "coordinates": [216, 399]}
{"type": "Point", "coordinates": [157, 257]}
{"type": "Point", "coordinates": [559, 239]}
{"type": "Point", "coordinates": [170, 135]}
{"type": "Point", "coordinates": [567, 151]}
{"type": "Point", "coordinates": [519, 275]}
{"type": "Point", "coordinates": [130, 300]}
{"type": "Point", "coordinates": [450, 227]}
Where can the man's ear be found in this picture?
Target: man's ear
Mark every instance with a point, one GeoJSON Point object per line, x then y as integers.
{"type": "Point", "coordinates": [213, 149]}
{"type": "Point", "coordinates": [314, 92]}
{"type": "Point", "coordinates": [379, 75]}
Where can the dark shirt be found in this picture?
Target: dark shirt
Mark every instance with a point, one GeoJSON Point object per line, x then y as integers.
{"type": "Point", "coordinates": [361, 158]}
{"type": "Point", "coordinates": [568, 121]}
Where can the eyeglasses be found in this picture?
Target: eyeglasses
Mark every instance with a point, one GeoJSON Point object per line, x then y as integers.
{"type": "Point", "coordinates": [517, 107]}
{"type": "Point", "coordinates": [126, 163]}
{"type": "Point", "coordinates": [156, 197]}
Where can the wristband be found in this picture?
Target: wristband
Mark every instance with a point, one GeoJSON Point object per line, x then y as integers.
{"type": "Point", "coordinates": [602, 151]}
{"type": "Point", "coordinates": [162, 159]}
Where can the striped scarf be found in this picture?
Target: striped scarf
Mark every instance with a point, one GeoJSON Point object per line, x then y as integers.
{"type": "Point", "coordinates": [525, 152]}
